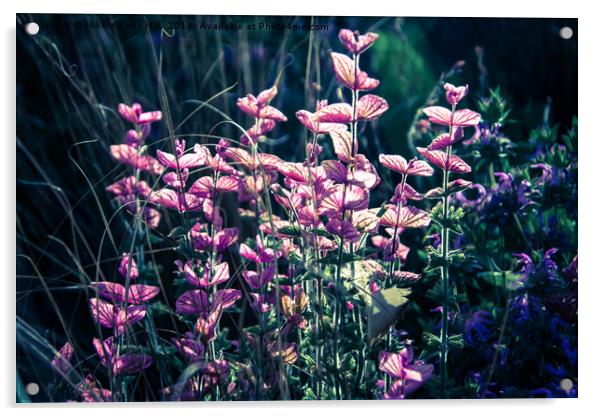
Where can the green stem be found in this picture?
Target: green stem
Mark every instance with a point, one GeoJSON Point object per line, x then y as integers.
{"type": "Point", "coordinates": [337, 319]}
{"type": "Point", "coordinates": [445, 270]}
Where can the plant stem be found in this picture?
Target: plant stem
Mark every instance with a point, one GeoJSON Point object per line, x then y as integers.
{"type": "Point", "coordinates": [337, 320]}
{"type": "Point", "coordinates": [445, 269]}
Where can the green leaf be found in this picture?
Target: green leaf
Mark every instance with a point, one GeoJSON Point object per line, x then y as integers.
{"type": "Point", "coordinates": [320, 232]}
{"type": "Point", "coordinates": [290, 230]}
{"type": "Point", "coordinates": [178, 231]}
{"type": "Point", "coordinates": [159, 308]}
{"type": "Point", "coordinates": [431, 340]}
{"type": "Point", "coordinates": [384, 309]}
{"type": "Point", "coordinates": [456, 341]}
{"type": "Point", "coordinates": [309, 394]}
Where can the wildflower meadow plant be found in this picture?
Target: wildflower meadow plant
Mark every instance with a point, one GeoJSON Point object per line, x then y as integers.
{"type": "Point", "coordinates": [244, 272]}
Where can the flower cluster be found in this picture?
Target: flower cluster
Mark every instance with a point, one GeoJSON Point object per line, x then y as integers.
{"type": "Point", "coordinates": [292, 282]}
{"type": "Point", "coordinates": [130, 191]}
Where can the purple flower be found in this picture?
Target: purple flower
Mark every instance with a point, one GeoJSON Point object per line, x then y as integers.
{"type": "Point", "coordinates": [171, 199]}
{"type": "Point", "coordinates": [454, 94]}
{"type": "Point", "coordinates": [262, 255]}
{"type": "Point", "coordinates": [120, 364]}
{"type": "Point", "coordinates": [129, 155]}
{"type": "Point", "coordinates": [134, 114]}
{"type": "Point", "coordinates": [481, 195]}
{"type": "Point", "coordinates": [62, 361]}
{"type": "Point", "coordinates": [115, 292]}
{"type": "Point", "coordinates": [356, 43]}
{"type": "Point", "coordinates": [128, 264]}
{"type": "Point", "coordinates": [350, 76]}
{"type": "Point", "coordinates": [203, 275]}
{"type": "Point", "coordinates": [257, 280]}
{"type": "Point", "coordinates": [408, 376]}
{"type": "Point", "coordinates": [115, 317]}
{"type": "Point", "coordinates": [189, 348]}
{"type": "Point", "coordinates": [478, 327]}
{"type": "Point", "coordinates": [182, 160]}
{"type": "Point", "coordinates": [460, 118]}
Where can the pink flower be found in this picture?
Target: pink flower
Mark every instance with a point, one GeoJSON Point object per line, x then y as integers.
{"type": "Point", "coordinates": [459, 118]}
{"type": "Point", "coordinates": [91, 393]}
{"type": "Point", "coordinates": [115, 317]}
{"type": "Point", "coordinates": [214, 276]}
{"type": "Point", "coordinates": [136, 137]}
{"type": "Point", "coordinates": [135, 115]}
{"type": "Point", "coordinates": [335, 171]}
{"type": "Point", "coordinates": [120, 364]}
{"type": "Point", "coordinates": [176, 181]}
{"type": "Point", "coordinates": [293, 307]}
{"type": "Point", "coordinates": [129, 186]}
{"type": "Point", "coordinates": [206, 324]}
{"type": "Point", "coordinates": [405, 193]}
{"type": "Point", "coordinates": [262, 127]}
{"type": "Point", "coordinates": [343, 198]}
{"type": "Point", "coordinates": [454, 94]}
{"type": "Point", "coordinates": [350, 76]}
{"type": "Point", "coordinates": [444, 140]}
{"type": "Point", "coordinates": [115, 292]}
{"type": "Point", "coordinates": [356, 43]}
{"type": "Point", "coordinates": [405, 278]}
{"type": "Point", "coordinates": [127, 192]}
{"type": "Point", "coordinates": [259, 303]}
{"type": "Point", "coordinates": [295, 171]}
{"type": "Point", "coordinates": [262, 255]}
{"type": "Point", "coordinates": [340, 113]}
{"type": "Point", "coordinates": [182, 160]}
{"type": "Point", "coordinates": [368, 107]}
{"type": "Point", "coordinates": [217, 163]}
{"type": "Point", "coordinates": [258, 280]}
{"type": "Point", "coordinates": [171, 199]}
{"type": "Point", "coordinates": [128, 265]}
{"type": "Point", "coordinates": [244, 158]}
{"type": "Point", "coordinates": [205, 186]}
{"type": "Point", "coordinates": [343, 229]}
{"type": "Point", "coordinates": [257, 106]}
{"type": "Point", "coordinates": [341, 141]}
{"type": "Point", "coordinates": [226, 298]}
{"type": "Point", "coordinates": [223, 239]}
{"type": "Point", "coordinates": [151, 216]}
{"type": "Point", "coordinates": [366, 220]}
{"type": "Point", "coordinates": [408, 377]}
{"type": "Point", "coordinates": [128, 155]}
{"type": "Point", "coordinates": [440, 159]}
{"type": "Point", "coordinates": [197, 301]}
{"type": "Point", "coordinates": [62, 360]}
{"type": "Point", "coordinates": [387, 245]}
{"type": "Point", "coordinates": [405, 217]}
{"type": "Point", "coordinates": [312, 123]}
{"type": "Point", "coordinates": [189, 348]}
{"type": "Point", "coordinates": [193, 302]}
{"type": "Point", "coordinates": [308, 216]}
{"type": "Point", "coordinates": [414, 167]}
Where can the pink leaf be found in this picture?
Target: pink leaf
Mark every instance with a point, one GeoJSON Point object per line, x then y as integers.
{"type": "Point", "coordinates": [341, 141]}
{"type": "Point", "coordinates": [370, 107]}
{"type": "Point", "coordinates": [406, 217]}
{"type": "Point", "coordinates": [354, 43]}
